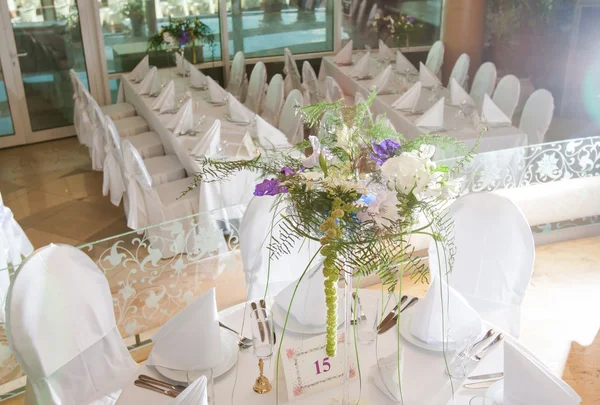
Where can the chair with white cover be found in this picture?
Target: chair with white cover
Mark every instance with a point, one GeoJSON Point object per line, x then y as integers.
{"type": "Point", "coordinates": [460, 71]}
{"type": "Point", "coordinates": [61, 328]}
{"type": "Point", "coordinates": [148, 144]}
{"type": "Point", "coordinates": [292, 79]}
{"type": "Point", "coordinates": [537, 115]}
{"type": "Point", "coordinates": [483, 83]}
{"type": "Point", "coordinates": [435, 58]}
{"type": "Point", "coordinates": [256, 88]}
{"type": "Point", "coordinates": [77, 102]}
{"type": "Point", "coordinates": [97, 153]}
{"type": "Point", "coordinates": [85, 121]}
{"type": "Point", "coordinates": [494, 257]}
{"type": "Point", "coordinates": [507, 93]}
{"type": "Point", "coordinates": [333, 91]}
{"type": "Point", "coordinates": [310, 84]}
{"type": "Point", "coordinates": [273, 100]}
{"type": "Point", "coordinates": [291, 123]}
{"type": "Point", "coordinates": [238, 79]}
{"type": "Point", "coordinates": [113, 183]}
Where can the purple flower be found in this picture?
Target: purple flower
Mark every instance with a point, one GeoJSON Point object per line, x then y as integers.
{"type": "Point", "coordinates": [384, 150]}
{"type": "Point", "coordinates": [288, 171]}
{"type": "Point", "coordinates": [269, 187]}
{"type": "Point", "coordinates": [185, 36]}
{"type": "Point", "coordinates": [411, 19]}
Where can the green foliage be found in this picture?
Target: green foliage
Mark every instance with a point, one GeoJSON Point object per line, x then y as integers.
{"type": "Point", "coordinates": [133, 10]}
{"type": "Point", "coordinates": [188, 29]}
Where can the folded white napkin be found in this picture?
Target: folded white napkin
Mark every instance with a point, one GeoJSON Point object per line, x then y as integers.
{"type": "Point", "coordinates": [426, 323]}
{"type": "Point", "coordinates": [247, 147]}
{"type": "Point", "coordinates": [361, 69]}
{"type": "Point", "coordinates": [344, 57]}
{"type": "Point", "coordinates": [434, 117]}
{"type": "Point", "coordinates": [195, 394]}
{"type": "Point", "coordinates": [269, 136]}
{"type": "Point", "coordinates": [141, 70]}
{"type": "Point", "coordinates": [307, 308]}
{"type": "Point", "coordinates": [183, 121]}
{"type": "Point", "coordinates": [385, 375]}
{"type": "Point", "coordinates": [210, 141]}
{"type": "Point", "coordinates": [166, 99]}
{"type": "Point", "coordinates": [382, 79]}
{"type": "Point", "coordinates": [491, 113]}
{"type": "Point", "coordinates": [410, 99]}
{"type": "Point", "coordinates": [237, 111]}
{"type": "Point", "coordinates": [458, 94]}
{"type": "Point", "coordinates": [197, 78]}
{"type": "Point", "coordinates": [385, 52]}
{"type": "Point", "coordinates": [403, 64]}
{"type": "Point", "coordinates": [217, 93]}
{"type": "Point", "coordinates": [191, 338]}
{"type": "Point", "coordinates": [527, 381]}
{"type": "Point", "coordinates": [427, 77]}
{"type": "Point", "coordinates": [148, 83]}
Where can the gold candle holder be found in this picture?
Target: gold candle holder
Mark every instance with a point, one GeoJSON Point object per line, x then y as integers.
{"type": "Point", "coordinates": [262, 384]}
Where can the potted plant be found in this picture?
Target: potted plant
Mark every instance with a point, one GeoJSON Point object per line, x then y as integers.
{"type": "Point", "coordinates": [134, 10]}
{"type": "Point", "coordinates": [186, 35]}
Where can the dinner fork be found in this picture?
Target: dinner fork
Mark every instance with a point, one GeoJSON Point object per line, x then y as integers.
{"type": "Point", "coordinates": [243, 342]}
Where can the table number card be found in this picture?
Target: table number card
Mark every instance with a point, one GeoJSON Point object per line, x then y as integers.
{"type": "Point", "coordinates": [248, 144]}
{"type": "Point", "coordinates": [308, 369]}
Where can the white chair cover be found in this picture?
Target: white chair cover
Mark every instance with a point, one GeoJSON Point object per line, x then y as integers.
{"type": "Point", "coordinates": [76, 101]}
{"type": "Point", "coordinates": [494, 257]}
{"type": "Point", "coordinates": [292, 78]}
{"type": "Point", "coordinates": [85, 121]}
{"type": "Point", "coordinates": [290, 123]}
{"type": "Point", "coordinates": [97, 152]}
{"type": "Point", "coordinates": [135, 176]}
{"type": "Point", "coordinates": [238, 79]}
{"type": "Point", "coordinates": [483, 83]}
{"type": "Point", "coordinates": [274, 100]}
{"type": "Point", "coordinates": [61, 328]}
{"type": "Point", "coordinates": [507, 93]}
{"type": "Point", "coordinates": [333, 91]}
{"type": "Point", "coordinates": [435, 58]}
{"type": "Point", "coordinates": [13, 244]}
{"type": "Point", "coordinates": [310, 83]}
{"type": "Point", "coordinates": [460, 71]}
{"type": "Point", "coordinates": [537, 114]}
{"type": "Point", "coordinates": [256, 88]}
{"type": "Point", "coordinates": [113, 182]}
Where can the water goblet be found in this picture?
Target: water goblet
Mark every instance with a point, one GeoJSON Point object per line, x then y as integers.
{"type": "Point", "coordinates": [198, 372]}
{"type": "Point", "coordinates": [263, 342]}
{"type": "Point", "coordinates": [434, 94]}
{"type": "Point", "coordinates": [367, 311]}
{"type": "Point", "coordinates": [222, 149]}
{"type": "Point", "coordinates": [462, 340]}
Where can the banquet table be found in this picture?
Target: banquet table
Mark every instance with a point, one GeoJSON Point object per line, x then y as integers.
{"type": "Point", "coordinates": [424, 381]}
{"type": "Point", "coordinates": [459, 128]}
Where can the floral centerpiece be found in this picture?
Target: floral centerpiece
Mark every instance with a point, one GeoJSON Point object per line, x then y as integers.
{"type": "Point", "coordinates": [394, 25]}
{"type": "Point", "coordinates": [134, 10]}
{"type": "Point", "coordinates": [182, 33]}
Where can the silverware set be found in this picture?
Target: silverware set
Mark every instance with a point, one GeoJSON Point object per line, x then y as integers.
{"type": "Point", "coordinates": [161, 387]}
{"type": "Point", "coordinates": [390, 319]}
{"type": "Point", "coordinates": [490, 379]}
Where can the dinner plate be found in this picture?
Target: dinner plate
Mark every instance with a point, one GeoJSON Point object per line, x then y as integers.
{"type": "Point", "coordinates": [405, 321]}
{"type": "Point", "coordinates": [294, 326]}
{"type": "Point", "coordinates": [228, 117]}
{"type": "Point", "coordinates": [215, 103]}
{"type": "Point", "coordinates": [229, 347]}
{"type": "Point", "coordinates": [496, 392]}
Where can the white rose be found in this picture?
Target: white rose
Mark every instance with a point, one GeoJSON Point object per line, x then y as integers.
{"type": "Point", "coordinates": [168, 38]}
{"type": "Point", "coordinates": [406, 173]}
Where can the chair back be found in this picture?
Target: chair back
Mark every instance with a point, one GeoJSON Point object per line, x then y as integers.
{"type": "Point", "coordinates": [333, 91]}
{"type": "Point", "coordinates": [137, 180]}
{"type": "Point", "coordinates": [256, 88]}
{"type": "Point", "coordinates": [310, 83]}
{"type": "Point", "coordinates": [460, 71]}
{"type": "Point", "coordinates": [435, 58]}
{"type": "Point", "coordinates": [483, 83]}
{"type": "Point", "coordinates": [507, 93]}
{"type": "Point", "coordinates": [292, 78]}
{"type": "Point", "coordinates": [274, 100]}
{"type": "Point", "coordinates": [537, 115]}
{"type": "Point", "coordinates": [290, 123]}
{"type": "Point", "coordinates": [237, 74]}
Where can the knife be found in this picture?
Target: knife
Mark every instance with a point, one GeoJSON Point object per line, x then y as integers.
{"type": "Point", "coordinates": [154, 381]}
{"type": "Point", "coordinates": [151, 387]}
{"type": "Point", "coordinates": [264, 306]}
{"type": "Point", "coordinates": [486, 376]}
{"type": "Point", "coordinates": [261, 327]}
{"type": "Point", "coordinates": [392, 312]}
{"type": "Point", "coordinates": [392, 322]}
{"type": "Point", "coordinates": [481, 384]}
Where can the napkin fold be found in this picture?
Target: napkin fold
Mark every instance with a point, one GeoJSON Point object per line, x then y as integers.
{"type": "Point", "coordinates": [427, 77]}
{"type": "Point", "coordinates": [247, 147]}
{"type": "Point", "coordinates": [491, 113]}
{"type": "Point", "coordinates": [458, 93]}
{"type": "Point", "coordinates": [426, 323]}
{"type": "Point", "coordinates": [191, 338]}
{"type": "Point", "coordinates": [410, 99]}
{"type": "Point", "coordinates": [197, 78]}
{"type": "Point", "coordinates": [195, 394]}
{"type": "Point", "coordinates": [181, 64]}
{"type": "Point", "coordinates": [527, 381]}
{"type": "Point", "coordinates": [210, 141]}
{"type": "Point", "coordinates": [361, 69]}
{"type": "Point", "coordinates": [344, 57]}
{"type": "Point", "coordinates": [141, 70]}
{"type": "Point", "coordinates": [147, 84]}
{"type": "Point", "coordinates": [307, 307]}
{"type": "Point", "coordinates": [385, 375]}
{"type": "Point", "coordinates": [434, 117]}
{"type": "Point", "coordinates": [385, 52]}
{"type": "Point", "coordinates": [382, 79]}
{"type": "Point", "coordinates": [216, 92]}
{"type": "Point", "coordinates": [270, 137]}
{"type": "Point", "coordinates": [403, 64]}
{"type": "Point", "coordinates": [183, 121]}
{"type": "Point", "coordinates": [237, 111]}
{"type": "Point", "coordinates": [166, 99]}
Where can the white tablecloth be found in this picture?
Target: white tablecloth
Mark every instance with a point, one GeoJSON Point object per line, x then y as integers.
{"type": "Point", "coordinates": [461, 129]}
{"type": "Point", "coordinates": [424, 381]}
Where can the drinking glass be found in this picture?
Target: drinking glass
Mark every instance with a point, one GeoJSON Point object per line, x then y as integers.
{"type": "Point", "coordinates": [263, 340]}
{"type": "Point", "coordinates": [479, 400]}
{"type": "Point", "coordinates": [198, 372]}
{"type": "Point", "coordinates": [434, 94]}
{"type": "Point", "coordinates": [461, 340]}
{"type": "Point", "coordinates": [222, 150]}
{"type": "Point", "coordinates": [367, 316]}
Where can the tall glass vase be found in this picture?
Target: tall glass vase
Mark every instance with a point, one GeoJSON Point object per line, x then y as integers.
{"type": "Point", "coordinates": [347, 333]}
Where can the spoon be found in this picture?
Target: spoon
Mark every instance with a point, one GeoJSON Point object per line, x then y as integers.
{"type": "Point", "coordinates": [489, 334]}
{"type": "Point", "coordinates": [479, 356]}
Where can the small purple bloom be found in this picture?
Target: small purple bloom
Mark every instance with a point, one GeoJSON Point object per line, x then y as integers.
{"type": "Point", "coordinates": [269, 187]}
{"type": "Point", "coordinates": [384, 150]}
{"type": "Point", "coordinates": [411, 19]}
{"type": "Point", "coordinates": [288, 171]}
{"type": "Point", "coordinates": [185, 36]}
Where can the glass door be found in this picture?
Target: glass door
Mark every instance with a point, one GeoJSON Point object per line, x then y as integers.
{"type": "Point", "coordinates": [42, 41]}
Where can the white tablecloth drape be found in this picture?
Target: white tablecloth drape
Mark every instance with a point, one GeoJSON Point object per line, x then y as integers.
{"type": "Point", "coordinates": [461, 129]}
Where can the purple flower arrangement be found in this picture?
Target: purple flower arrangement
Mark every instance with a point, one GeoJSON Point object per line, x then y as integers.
{"type": "Point", "coordinates": [384, 150]}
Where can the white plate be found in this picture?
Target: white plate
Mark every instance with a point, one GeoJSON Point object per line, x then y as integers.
{"type": "Point", "coordinates": [215, 103]}
{"type": "Point", "coordinates": [296, 327]}
{"type": "Point", "coordinates": [496, 392]}
{"type": "Point", "coordinates": [229, 347]}
{"type": "Point", "coordinates": [405, 320]}
{"type": "Point", "coordinates": [236, 121]}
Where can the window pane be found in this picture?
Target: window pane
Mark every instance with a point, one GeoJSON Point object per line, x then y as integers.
{"type": "Point", "coordinates": [367, 21]}
{"type": "Point", "coordinates": [266, 27]}
{"type": "Point", "coordinates": [127, 26]}
{"type": "Point", "coordinates": [6, 123]}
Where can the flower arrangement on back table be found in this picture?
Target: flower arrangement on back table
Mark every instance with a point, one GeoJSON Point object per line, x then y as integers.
{"type": "Point", "coordinates": [394, 25]}
{"type": "Point", "coordinates": [181, 33]}
{"type": "Point", "coordinates": [361, 193]}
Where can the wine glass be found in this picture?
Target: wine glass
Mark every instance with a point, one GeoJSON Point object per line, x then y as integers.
{"type": "Point", "coordinates": [434, 93]}
{"type": "Point", "coordinates": [263, 334]}
{"type": "Point", "coordinates": [198, 372]}
{"type": "Point", "coordinates": [463, 340]}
